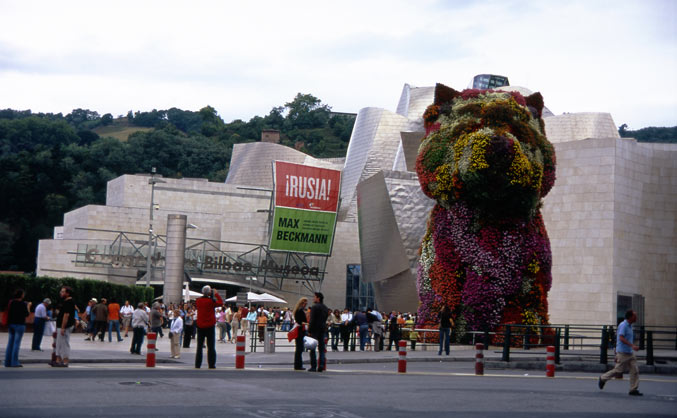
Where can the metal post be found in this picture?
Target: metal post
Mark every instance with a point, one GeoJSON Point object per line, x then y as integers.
{"type": "Point", "coordinates": [641, 337]}
{"type": "Point", "coordinates": [527, 334]}
{"type": "Point", "coordinates": [149, 266]}
{"type": "Point", "coordinates": [604, 346]}
{"type": "Point", "coordinates": [566, 337]}
{"type": "Point", "coordinates": [649, 348]}
{"type": "Point", "coordinates": [506, 344]}
{"type": "Point", "coordinates": [487, 340]}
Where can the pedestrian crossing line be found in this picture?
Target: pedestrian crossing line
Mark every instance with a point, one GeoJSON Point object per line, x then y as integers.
{"type": "Point", "coordinates": [85, 366]}
{"type": "Point", "coordinates": [528, 376]}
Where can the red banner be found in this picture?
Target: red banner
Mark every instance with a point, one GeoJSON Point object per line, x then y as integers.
{"type": "Point", "coordinates": [305, 187]}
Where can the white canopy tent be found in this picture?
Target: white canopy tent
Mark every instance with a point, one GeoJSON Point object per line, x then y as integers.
{"type": "Point", "coordinates": [251, 297]}
{"type": "Point", "coordinates": [262, 298]}
{"type": "Point", "coordinates": [193, 296]}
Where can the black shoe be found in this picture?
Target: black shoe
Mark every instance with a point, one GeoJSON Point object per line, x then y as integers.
{"type": "Point", "coordinates": [299, 368]}
{"type": "Point", "coordinates": [312, 370]}
{"type": "Point", "coordinates": [601, 383]}
{"type": "Point", "coordinates": [635, 393]}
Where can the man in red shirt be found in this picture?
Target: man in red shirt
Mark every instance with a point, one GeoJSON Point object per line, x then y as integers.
{"type": "Point", "coordinates": [206, 325]}
{"type": "Point", "coordinates": [113, 320]}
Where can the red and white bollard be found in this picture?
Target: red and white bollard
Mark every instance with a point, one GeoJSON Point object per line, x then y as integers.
{"type": "Point", "coordinates": [550, 362]}
{"type": "Point", "coordinates": [402, 362]}
{"type": "Point", "coordinates": [239, 352]}
{"type": "Point", "coordinates": [150, 352]}
{"type": "Point", "coordinates": [479, 359]}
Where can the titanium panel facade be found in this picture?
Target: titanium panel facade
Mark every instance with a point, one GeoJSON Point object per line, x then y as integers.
{"type": "Point", "coordinates": [390, 236]}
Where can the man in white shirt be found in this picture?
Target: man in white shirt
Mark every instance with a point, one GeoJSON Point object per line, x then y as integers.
{"type": "Point", "coordinates": [126, 313]}
{"type": "Point", "coordinates": [39, 322]}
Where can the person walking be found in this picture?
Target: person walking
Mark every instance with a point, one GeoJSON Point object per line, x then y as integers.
{"type": "Point", "coordinates": [374, 319]}
{"type": "Point", "coordinates": [17, 312]}
{"type": "Point", "coordinates": [156, 320]}
{"type": "Point", "coordinates": [261, 322]}
{"type": "Point", "coordinates": [126, 313]}
{"type": "Point", "coordinates": [625, 355]}
{"type": "Point", "coordinates": [317, 328]}
{"type": "Point", "coordinates": [206, 322]}
{"type": "Point", "coordinates": [286, 320]}
{"type": "Point", "coordinates": [100, 311]}
{"type": "Point", "coordinates": [175, 331]}
{"type": "Point", "coordinates": [300, 318]}
{"type": "Point", "coordinates": [39, 321]}
{"type": "Point", "coordinates": [229, 319]}
{"type": "Point", "coordinates": [334, 328]}
{"type": "Point", "coordinates": [394, 332]}
{"type": "Point", "coordinates": [445, 330]}
{"type": "Point", "coordinates": [360, 321]}
{"type": "Point", "coordinates": [221, 323]}
{"type": "Point", "coordinates": [113, 320]}
{"type": "Point", "coordinates": [139, 325]}
{"type": "Point", "coordinates": [91, 320]}
{"type": "Point", "coordinates": [346, 328]}
{"type": "Point", "coordinates": [188, 327]}
{"type": "Point", "coordinates": [65, 322]}
{"type": "Point", "coordinates": [235, 324]}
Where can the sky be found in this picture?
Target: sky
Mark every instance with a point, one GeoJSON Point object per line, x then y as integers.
{"type": "Point", "coordinates": [244, 58]}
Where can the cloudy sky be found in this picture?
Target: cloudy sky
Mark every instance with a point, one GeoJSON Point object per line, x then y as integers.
{"type": "Point", "coordinates": [244, 58]}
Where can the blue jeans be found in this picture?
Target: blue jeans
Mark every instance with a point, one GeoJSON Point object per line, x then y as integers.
{"type": "Point", "coordinates": [334, 331]}
{"type": "Point", "coordinates": [364, 336]}
{"type": "Point", "coordinates": [38, 331]}
{"type": "Point", "coordinates": [112, 324]}
{"type": "Point", "coordinates": [16, 332]}
{"type": "Point", "coordinates": [445, 334]}
{"type": "Point", "coordinates": [321, 348]}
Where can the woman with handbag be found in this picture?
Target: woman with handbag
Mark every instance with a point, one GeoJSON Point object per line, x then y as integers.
{"type": "Point", "coordinates": [301, 320]}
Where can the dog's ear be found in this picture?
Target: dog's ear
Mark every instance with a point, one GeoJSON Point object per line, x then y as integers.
{"type": "Point", "coordinates": [536, 101]}
{"type": "Point", "coordinates": [444, 94]}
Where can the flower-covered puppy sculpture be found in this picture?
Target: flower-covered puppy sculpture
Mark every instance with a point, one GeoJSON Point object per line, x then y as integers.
{"type": "Point", "coordinates": [487, 163]}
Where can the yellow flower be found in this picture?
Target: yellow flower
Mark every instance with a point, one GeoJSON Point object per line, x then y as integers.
{"type": "Point", "coordinates": [473, 146]}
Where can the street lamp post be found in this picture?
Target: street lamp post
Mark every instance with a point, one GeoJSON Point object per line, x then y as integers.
{"type": "Point", "coordinates": [250, 279]}
{"type": "Point", "coordinates": [149, 266]}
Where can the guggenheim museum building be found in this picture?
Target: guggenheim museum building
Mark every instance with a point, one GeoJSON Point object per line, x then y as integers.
{"type": "Point", "coordinates": [611, 218]}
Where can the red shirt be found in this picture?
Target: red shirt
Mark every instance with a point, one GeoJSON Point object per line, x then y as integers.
{"type": "Point", "coordinates": [206, 317]}
{"type": "Point", "coordinates": [113, 312]}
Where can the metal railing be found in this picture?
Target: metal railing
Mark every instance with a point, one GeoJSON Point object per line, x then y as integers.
{"type": "Point", "coordinates": [594, 341]}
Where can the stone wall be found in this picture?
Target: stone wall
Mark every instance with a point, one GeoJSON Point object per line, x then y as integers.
{"type": "Point", "coordinates": [611, 221]}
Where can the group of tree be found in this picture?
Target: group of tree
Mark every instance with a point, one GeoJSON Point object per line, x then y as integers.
{"type": "Point", "coordinates": [650, 134]}
{"type": "Point", "coordinates": [51, 164]}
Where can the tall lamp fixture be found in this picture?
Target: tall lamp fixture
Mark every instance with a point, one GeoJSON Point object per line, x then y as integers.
{"type": "Point", "coordinates": [149, 266]}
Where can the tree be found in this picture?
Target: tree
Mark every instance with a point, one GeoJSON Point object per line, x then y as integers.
{"type": "Point", "coordinates": [106, 119]}
{"type": "Point", "coordinates": [307, 111]}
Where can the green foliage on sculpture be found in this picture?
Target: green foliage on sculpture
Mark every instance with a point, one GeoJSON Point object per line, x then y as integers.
{"type": "Point", "coordinates": [486, 161]}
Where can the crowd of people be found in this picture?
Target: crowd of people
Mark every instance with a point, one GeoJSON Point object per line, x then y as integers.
{"type": "Point", "coordinates": [207, 320]}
